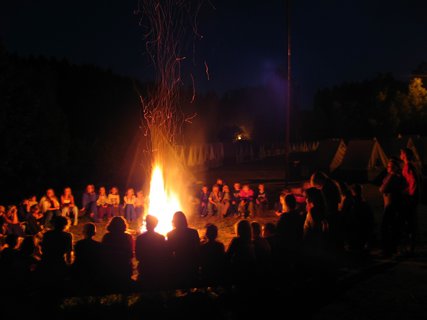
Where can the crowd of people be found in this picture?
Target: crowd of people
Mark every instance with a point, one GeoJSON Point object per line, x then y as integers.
{"type": "Point", "coordinates": [31, 217]}
{"type": "Point", "coordinates": [332, 218]}
{"type": "Point", "coordinates": [401, 193]}
{"type": "Point", "coordinates": [241, 201]}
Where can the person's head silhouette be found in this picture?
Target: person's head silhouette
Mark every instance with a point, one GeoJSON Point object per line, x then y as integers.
{"type": "Point", "coordinates": [151, 222]}
{"type": "Point", "coordinates": [179, 220]}
{"type": "Point", "coordinates": [117, 225]}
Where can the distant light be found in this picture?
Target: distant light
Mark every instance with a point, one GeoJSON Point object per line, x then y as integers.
{"type": "Point", "coordinates": [239, 137]}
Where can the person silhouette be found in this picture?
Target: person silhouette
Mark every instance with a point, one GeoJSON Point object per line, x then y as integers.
{"type": "Point", "coordinates": [183, 244]}
{"type": "Point", "coordinates": [150, 251]}
{"type": "Point", "coordinates": [117, 250]}
{"type": "Point", "coordinates": [87, 253]}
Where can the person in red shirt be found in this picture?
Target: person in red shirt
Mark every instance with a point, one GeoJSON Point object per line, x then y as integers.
{"type": "Point", "coordinates": [246, 205]}
{"type": "Point", "coordinates": [410, 196]}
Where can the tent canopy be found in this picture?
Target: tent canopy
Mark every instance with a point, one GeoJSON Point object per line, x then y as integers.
{"type": "Point", "coordinates": [364, 161]}
{"type": "Point", "coordinates": [329, 154]}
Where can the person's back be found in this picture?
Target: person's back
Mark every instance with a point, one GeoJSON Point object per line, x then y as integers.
{"type": "Point", "coordinates": [290, 226]}
{"type": "Point", "coordinates": [212, 256]}
{"type": "Point", "coordinates": [241, 254]}
{"type": "Point", "coordinates": [150, 251]}
{"type": "Point", "coordinates": [117, 249]}
{"type": "Point", "coordinates": [315, 224]}
{"type": "Point", "coordinates": [56, 247]}
{"type": "Point", "coordinates": [261, 245]}
{"type": "Point", "coordinates": [56, 243]}
{"type": "Point", "coordinates": [87, 254]}
{"type": "Point", "coordinates": [183, 244]}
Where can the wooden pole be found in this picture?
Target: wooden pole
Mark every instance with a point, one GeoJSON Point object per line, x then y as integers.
{"type": "Point", "coordinates": [288, 94]}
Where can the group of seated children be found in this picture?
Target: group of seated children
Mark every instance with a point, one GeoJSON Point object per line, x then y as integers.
{"type": "Point", "coordinates": [100, 205]}
{"type": "Point", "coordinates": [242, 201]}
{"type": "Point", "coordinates": [32, 216]}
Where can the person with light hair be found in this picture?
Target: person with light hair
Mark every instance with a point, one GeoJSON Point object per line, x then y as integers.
{"type": "Point", "coordinates": [68, 206]}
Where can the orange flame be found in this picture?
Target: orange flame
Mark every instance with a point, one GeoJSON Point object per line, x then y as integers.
{"type": "Point", "coordinates": [162, 202]}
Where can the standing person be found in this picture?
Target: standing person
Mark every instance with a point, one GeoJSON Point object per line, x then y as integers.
{"type": "Point", "coordinates": [204, 201]}
{"type": "Point", "coordinates": [261, 200]}
{"type": "Point", "coordinates": [49, 205]}
{"type": "Point", "coordinates": [139, 205]}
{"type": "Point", "coordinates": [89, 203]}
{"type": "Point", "coordinates": [215, 198]}
{"type": "Point", "coordinates": [57, 245]}
{"type": "Point", "coordinates": [212, 256]}
{"type": "Point", "coordinates": [102, 204]}
{"type": "Point", "coordinates": [332, 198]}
{"type": "Point", "coordinates": [114, 202]}
{"type": "Point", "coordinates": [330, 189]}
{"type": "Point", "coordinates": [411, 195]}
{"type": "Point", "coordinates": [129, 205]}
{"type": "Point", "coordinates": [68, 207]}
{"type": "Point", "coordinates": [183, 245]}
{"type": "Point", "coordinates": [392, 190]}
{"type": "Point", "coordinates": [225, 201]}
{"type": "Point", "coordinates": [117, 247]}
{"type": "Point", "coordinates": [315, 224]}
{"type": "Point", "coordinates": [246, 205]}
{"type": "Point", "coordinates": [290, 228]}
{"type": "Point", "coordinates": [87, 253]}
{"type": "Point", "coordinates": [150, 251]}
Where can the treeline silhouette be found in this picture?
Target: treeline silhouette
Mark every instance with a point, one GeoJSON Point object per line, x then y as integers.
{"type": "Point", "coordinates": [60, 122]}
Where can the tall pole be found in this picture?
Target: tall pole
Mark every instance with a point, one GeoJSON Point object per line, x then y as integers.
{"type": "Point", "coordinates": [288, 94]}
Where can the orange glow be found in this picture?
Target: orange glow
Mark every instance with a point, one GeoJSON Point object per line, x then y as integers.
{"type": "Point", "coordinates": [162, 202]}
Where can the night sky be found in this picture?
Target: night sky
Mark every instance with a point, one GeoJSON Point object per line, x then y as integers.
{"type": "Point", "coordinates": [244, 41]}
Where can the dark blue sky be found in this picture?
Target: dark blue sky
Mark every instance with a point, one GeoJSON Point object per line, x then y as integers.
{"type": "Point", "coordinates": [244, 41]}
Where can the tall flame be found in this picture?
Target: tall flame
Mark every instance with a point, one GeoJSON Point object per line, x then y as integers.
{"type": "Point", "coordinates": [162, 202]}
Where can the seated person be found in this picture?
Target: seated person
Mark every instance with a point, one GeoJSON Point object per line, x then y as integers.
{"type": "Point", "coordinates": [87, 253]}
{"type": "Point", "coordinates": [235, 199]}
{"type": "Point", "coordinates": [13, 226]}
{"type": "Point", "coordinates": [114, 202]}
{"type": "Point", "coordinates": [215, 205]}
{"type": "Point", "coordinates": [246, 205]}
{"type": "Point", "coordinates": [226, 201]}
{"type": "Point", "coordinates": [50, 206]}
{"type": "Point", "coordinates": [212, 256]}
{"type": "Point", "coordinates": [261, 200]}
{"type": "Point", "coordinates": [34, 221]}
{"type": "Point", "coordinates": [151, 253]}
{"type": "Point", "coordinates": [68, 207]}
{"type": "Point", "coordinates": [89, 206]}
{"type": "Point", "coordinates": [204, 201]}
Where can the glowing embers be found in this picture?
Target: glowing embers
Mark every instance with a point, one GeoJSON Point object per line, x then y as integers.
{"type": "Point", "coordinates": [163, 202]}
